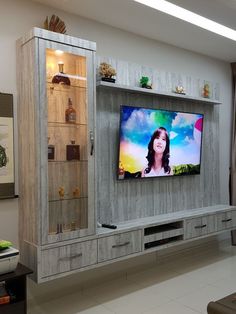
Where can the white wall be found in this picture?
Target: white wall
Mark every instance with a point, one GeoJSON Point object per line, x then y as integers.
{"type": "Point", "coordinates": [19, 16]}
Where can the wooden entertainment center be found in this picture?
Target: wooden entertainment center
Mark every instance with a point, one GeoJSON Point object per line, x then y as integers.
{"type": "Point", "coordinates": [61, 200]}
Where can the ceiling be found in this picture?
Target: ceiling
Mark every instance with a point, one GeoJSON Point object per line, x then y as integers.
{"type": "Point", "coordinates": [139, 19]}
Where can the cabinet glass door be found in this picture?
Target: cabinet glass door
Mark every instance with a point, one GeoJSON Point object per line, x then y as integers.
{"type": "Point", "coordinates": [67, 144]}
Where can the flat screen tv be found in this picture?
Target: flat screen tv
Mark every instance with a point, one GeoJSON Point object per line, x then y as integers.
{"type": "Point", "coordinates": [157, 143]}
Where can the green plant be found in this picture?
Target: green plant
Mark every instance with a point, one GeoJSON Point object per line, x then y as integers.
{"type": "Point", "coordinates": [144, 80]}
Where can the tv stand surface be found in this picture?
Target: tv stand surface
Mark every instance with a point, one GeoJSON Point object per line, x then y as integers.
{"type": "Point", "coordinates": [134, 238]}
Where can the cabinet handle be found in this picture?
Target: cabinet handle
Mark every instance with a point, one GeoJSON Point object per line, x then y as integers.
{"type": "Point", "coordinates": [92, 143]}
{"type": "Point", "coordinates": [121, 244]}
{"type": "Point", "coordinates": [227, 220]}
{"type": "Point", "coordinates": [69, 257]}
{"type": "Point", "coordinates": [200, 227]}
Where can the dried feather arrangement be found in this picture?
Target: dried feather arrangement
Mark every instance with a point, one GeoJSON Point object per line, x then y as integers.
{"type": "Point", "coordinates": [55, 24]}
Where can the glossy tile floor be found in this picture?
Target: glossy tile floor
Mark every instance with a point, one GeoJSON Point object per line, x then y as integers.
{"type": "Point", "coordinates": [183, 285]}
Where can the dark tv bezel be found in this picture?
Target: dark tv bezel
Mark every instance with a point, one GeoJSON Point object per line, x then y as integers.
{"type": "Point", "coordinates": [169, 176]}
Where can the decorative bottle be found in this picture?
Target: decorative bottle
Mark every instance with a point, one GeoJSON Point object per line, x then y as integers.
{"type": "Point", "coordinates": [61, 77]}
{"type": "Point", "coordinates": [51, 151]}
{"type": "Point", "coordinates": [72, 151]}
{"type": "Point", "coordinates": [70, 113]}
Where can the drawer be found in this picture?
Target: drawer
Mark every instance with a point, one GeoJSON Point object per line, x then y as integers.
{"type": "Point", "coordinates": [197, 227]}
{"type": "Point", "coordinates": [119, 245]}
{"type": "Point", "coordinates": [225, 221]}
{"type": "Point", "coordinates": [68, 257]}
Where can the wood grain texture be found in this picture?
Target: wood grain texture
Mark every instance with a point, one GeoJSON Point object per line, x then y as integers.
{"type": "Point", "coordinates": [119, 245]}
{"type": "Point", "coordinates": [122, 201]}
{"type": "Point", "coordinates": [139, 90]}
{"type": "Point", "coordinates": [58, 38]}
{"type": "Point", "coordinates": [68, 257]}
{"type": "Point", "coordinates": [29, 184]}
{"type": "Point", "coordinates": [200, 226]}
{"type": "Point", "coordinates": [163, 235]}
{"type": "Point", "coordinates": [129, 74]}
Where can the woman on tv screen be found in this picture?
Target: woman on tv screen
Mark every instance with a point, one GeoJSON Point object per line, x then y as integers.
{"type": "Point", "coordinates": [158, 155]}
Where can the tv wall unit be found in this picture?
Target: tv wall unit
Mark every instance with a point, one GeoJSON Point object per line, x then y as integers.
{"type": "Point", "coordinates": [56, 241]}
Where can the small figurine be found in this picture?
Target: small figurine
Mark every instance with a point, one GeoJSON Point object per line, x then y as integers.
{"type": "Point", "coordinates": [107, 71]}
{"type": "Point", "coordinates": [61, 192]}
{"type": "Point", "coordinates": [144, 82]}
{"type": "Point", "coordinates": [179, 90]}
{"type": "Point", "coordinates": [76, 192]}
{"type": "Point", "coordinates": [206, 91]}
{"type": "Point", "coordinates": [121, 171]}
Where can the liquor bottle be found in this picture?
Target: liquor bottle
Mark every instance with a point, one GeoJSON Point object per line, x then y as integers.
{"type": "Point", "coordinates": [51, 151]}
{"type": "Point", "coordinates": [61, 77]}
{"type": "Point", "coordinates": [72, 151]}
{"type": "Point", "coordinates": [70, 113]}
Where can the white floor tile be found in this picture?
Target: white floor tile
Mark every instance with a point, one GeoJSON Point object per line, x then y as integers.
{"type": "Point", "coordinates": [136, 302]}
{"type": "Point", "coordinates": [111, 290]}
{"type": "Point", "coordinates": [171, 308]}
{"type": "Point", "coordinates": [152, 276]}
{"type": "Point", "coordinates": [176, 287]}
{"type": "Point", "coordinates": [70, 304]}
{"type": "Point", "coordinates": [198, 299]}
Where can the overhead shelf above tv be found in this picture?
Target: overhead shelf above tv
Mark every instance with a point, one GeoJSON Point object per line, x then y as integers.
{"type": "Point", "coordinates": [135, 89]}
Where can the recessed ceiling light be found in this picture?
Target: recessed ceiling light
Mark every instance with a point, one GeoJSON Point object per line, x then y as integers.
{"type": "Point", "coordinates": [59, 52]}
{"type": "Point", "coordinates": [188, 16]}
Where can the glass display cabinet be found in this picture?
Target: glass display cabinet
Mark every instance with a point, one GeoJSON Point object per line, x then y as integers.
{"type": "Point", "coordinates": [68, 143]}
{"type": "Point", "coordinates": [56, 105]}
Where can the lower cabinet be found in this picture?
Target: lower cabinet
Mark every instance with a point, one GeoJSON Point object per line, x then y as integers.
{"type": "Point", "coordinates": [68, 257]}
{"type": "Point", "coordinates": [119, 245]}
{"type": "Point", "coordinates": [200, 226]}
{"type": "Point", "coordinates": [226, 220]}
{"type": "Point", "coordinates": [110, 246]}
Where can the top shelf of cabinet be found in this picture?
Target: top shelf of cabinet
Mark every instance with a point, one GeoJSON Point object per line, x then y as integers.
{"type": "Point", "coordinates": [134, 89]}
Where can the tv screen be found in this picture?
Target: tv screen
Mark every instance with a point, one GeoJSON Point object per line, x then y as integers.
{"type": "Point", "coordinates": [156, 143]}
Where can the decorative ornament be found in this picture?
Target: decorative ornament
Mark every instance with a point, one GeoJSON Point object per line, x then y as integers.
{"type": "Point", "coordinates": [61, 192]}
{"type": "Point", "coordinates": [55, 24]}
{"type": "Point", "coordinates": [107, 71]}
{"type": "Point", "coordinates": [144, 82]}
{"type": "Point", "coordinates": [206, 91]}
{"type": "Point", "coordinates": [179, 90]}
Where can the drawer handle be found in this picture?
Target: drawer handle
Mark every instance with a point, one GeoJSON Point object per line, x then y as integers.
{"type": "Point", "coordinates": [70, 257]}
{"type": "Point", "coordinates": [121, 244]}
{"type": "Point", "coordinates": [200, 227]}
{"type": "Point", "coordinates": [227, 220]}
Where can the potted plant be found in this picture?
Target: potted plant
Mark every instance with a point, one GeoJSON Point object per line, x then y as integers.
{"type": "Point", "coordinates": [144, 82]}
{"type": "Point", "coordinates": [107, 72]}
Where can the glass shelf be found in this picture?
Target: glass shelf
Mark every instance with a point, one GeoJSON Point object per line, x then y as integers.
{"type": "Point", "coordinates": [64, 87]}
{"type": "Point", "coordinates": [64, 124]}
{"type": "Point", "coordinates": [66, 161]}
{"type": "Point", "coordinates": [68, 199]}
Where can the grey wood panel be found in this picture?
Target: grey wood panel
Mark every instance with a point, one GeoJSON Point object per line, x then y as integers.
{"type": "Point", "coordinates": [59, 38]}
{"type": "Point", "coordinates": [224, 221]}
{"type": "Point", "coordinates": [163, 235]}
{"type": "Point", "coordinates": [68, 257]}
{"type": "Point", "coordinates": [121, 201]}
{"type": "Point", "coordinates": [131, 199]}
{"type": "Point", "coordinates": [119, 245]}
{"type": "Point", "coordinates": [129, 73]}
{"type": "Point", "coordinates": [135, 89]}
{"type": "Point", "coordinates": [201, 226]}
{"type": "Point", "coordinates": [28, 145]}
